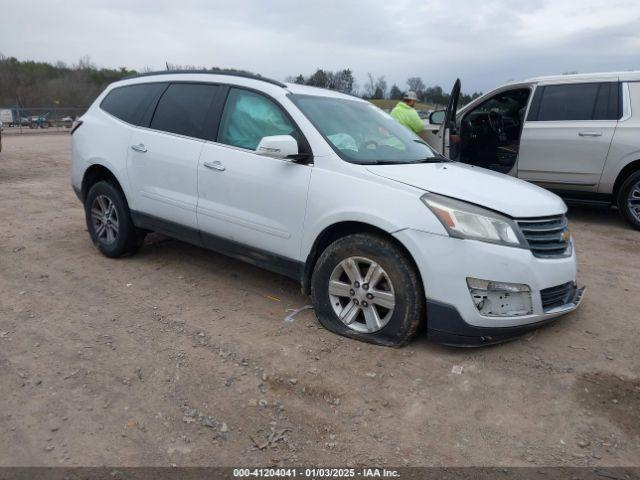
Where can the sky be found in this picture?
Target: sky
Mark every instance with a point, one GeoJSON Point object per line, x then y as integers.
{"type": "Point", "coordinates": [484, 43]}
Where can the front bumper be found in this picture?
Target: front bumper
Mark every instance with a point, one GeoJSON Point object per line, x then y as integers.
{"type": "Point", "coordinates": [446, 326]}
{"type": "Point", "coordinates": [452, 317]}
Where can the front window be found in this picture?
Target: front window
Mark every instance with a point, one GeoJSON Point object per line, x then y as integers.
{"type": "Point", "coordinates": [249, 117]}
{"type": "Point", "coordinates": [362, 133]}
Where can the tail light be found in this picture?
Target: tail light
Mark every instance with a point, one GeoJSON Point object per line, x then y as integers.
{"type": "Point", "coordinates": [75, 125]}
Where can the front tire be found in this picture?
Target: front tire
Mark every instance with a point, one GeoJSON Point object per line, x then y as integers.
{"type": "Point", "coordinates": [365, 287]}
{"type": "Point", "coordinates": [109, 221]}
{"type": "Point", "coordinates": [629, 200]}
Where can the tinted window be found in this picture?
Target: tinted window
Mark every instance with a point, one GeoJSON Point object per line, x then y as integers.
{"type": "Point", "coordinates": [579, 101]}
{"type": "Point", "coordinates": [132, 102]}
{"type": "Point", "coordinates": [607, 102]}
{"type": "Point", "coordinates": [183, 109]}
{"type": "Point", "coordinates": [248, 117]}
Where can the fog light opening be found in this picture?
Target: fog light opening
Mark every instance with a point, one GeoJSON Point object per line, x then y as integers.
{"type": "Point", "coordinates": [500, 299]}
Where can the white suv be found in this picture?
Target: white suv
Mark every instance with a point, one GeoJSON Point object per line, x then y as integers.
{"type": "Point", "coordinates": [577, 135]}
{"type": "Point", "coordinates": [385, 234]}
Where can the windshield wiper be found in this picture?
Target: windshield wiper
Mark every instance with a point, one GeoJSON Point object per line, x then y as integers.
{"type": "Point", "coordinates": [435, 159]}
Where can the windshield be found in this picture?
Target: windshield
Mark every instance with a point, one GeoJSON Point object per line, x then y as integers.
{"type": "Point", "coordinates": [362, 133]}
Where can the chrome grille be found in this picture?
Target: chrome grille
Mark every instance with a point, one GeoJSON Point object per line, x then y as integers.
{"type": "Point", "coordinates": [557, 296]}
{"type": "Point", "coordinates": [548, 237]}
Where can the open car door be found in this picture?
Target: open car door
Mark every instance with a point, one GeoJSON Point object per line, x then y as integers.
{"type": "Point", "coordinates": [448, 130]}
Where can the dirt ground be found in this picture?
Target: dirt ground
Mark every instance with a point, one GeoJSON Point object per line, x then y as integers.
{"type": "Point", "coordinates": [181, 356]}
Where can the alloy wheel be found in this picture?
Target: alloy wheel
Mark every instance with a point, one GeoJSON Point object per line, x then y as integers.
{"type": "Point", "coordinates": [104, 218]}
{"type": "Point", "coordinates": [361, 294]}
{"type": "Point", "coordinates": [633, 201]}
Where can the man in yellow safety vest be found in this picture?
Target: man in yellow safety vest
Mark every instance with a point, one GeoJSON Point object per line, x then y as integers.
{"type": "Point", "coordinates": [404, 112]}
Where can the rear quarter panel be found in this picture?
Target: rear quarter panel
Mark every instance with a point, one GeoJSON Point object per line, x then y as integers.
{"type": "Point", "coordinates": [101, 140]}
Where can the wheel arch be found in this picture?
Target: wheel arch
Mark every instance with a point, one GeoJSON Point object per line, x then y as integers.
{"type": "Point", "coordinates": [628, 169]}
{"type": "Point", "coordinates": [94, 174]}
{"type": "Point", "coordinates": [339, 230]}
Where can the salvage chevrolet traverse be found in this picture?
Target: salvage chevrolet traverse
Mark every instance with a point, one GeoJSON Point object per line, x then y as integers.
{"type": "Point", "coordinates": [386, 235]}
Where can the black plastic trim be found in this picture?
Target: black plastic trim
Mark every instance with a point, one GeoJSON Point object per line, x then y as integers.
{"type": "Point", "coordinates": [275, 263]}
{"type": "Point", "coordinates": [446, 326]}
{"type": "Point", "coordinates": [171, 229]}
{"type": "Point", "coordinates": [584, 198]}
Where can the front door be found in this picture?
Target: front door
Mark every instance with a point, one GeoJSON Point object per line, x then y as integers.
{"type": "Point", "coordinates": [246, 199]}
{"type": "Point", "coordinates": [566, 138]}
{"type": "Point", "coordinates": [447, 131]}
{"type": "Point", "coordinates": [490, 131]}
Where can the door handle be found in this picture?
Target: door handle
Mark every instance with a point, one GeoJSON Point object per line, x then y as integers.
{"type": "Point", "coordinates": [139, 148]}
{"type": "Point", "coordinates": [215, 166]}
{"type": "Point", "coordinates": [590, 134]}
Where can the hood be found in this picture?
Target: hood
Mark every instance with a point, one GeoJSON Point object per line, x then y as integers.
{"type": "Point", "coordinates": [502, 193]}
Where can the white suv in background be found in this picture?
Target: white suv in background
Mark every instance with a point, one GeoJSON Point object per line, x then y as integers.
{"type": "Point", "coordinates": [385, 234]}
{"type": "Point", "coordinates": [577, 135]}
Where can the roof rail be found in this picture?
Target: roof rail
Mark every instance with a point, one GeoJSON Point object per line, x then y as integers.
{"type": "Point", "coordinates": [212, 72]}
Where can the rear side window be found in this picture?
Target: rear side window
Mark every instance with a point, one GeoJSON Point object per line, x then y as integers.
{"type": "Point", "coordinates": [183, 109]}
{"type": "Point", "coordinates": [576, 101]}
{"type": "Point", "coordinates": [133, 102]}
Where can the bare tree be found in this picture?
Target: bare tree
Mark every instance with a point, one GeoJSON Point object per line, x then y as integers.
{"type": "Point", "coordinates": [369, 87]}
{"type": "Point", "coordinates": [381, 88]}
{"type": "Point", "coordinates": [416, 84]}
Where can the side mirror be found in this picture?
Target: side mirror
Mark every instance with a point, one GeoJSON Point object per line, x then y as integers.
{"type": "Point", "coordinates": [278, 146]}
{"type": "Point", "coordinates": [437, 117]}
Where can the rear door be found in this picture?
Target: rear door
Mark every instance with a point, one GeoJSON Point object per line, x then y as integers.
{"type": "Point", "coordinates": [246, 198]}
{"type": "Point", "coordinates": [567, 135]}
{"type": "Point", "coordinates": [163, 158]}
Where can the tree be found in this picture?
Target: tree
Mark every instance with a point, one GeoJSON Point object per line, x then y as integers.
{"type": "Point", "coordinates": [416, 84]}
{"type": "Point", "coordinates": [380, 90]}
{"type": "Point", "coordinates": [466, 98]}
{"type": "Point", "coordinates": [435, 95]}
{"type": "Point", "coordinates": [342, 81]}
{"type": "Point", "coordinates": [395, 93]}
{"type": "Point", "coordinates": [29, 83]}
{"type": "Point", "coordinates": [319, 79]}
{"type": "Point", "coordinates": [369, 87]}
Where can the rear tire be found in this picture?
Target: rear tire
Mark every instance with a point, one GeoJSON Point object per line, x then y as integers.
{"type": "Point", "coordinates": [629, 200]}
{"type": "Point", "coordinates": [371, 283]}
{"type": "Point", "coordinates": [109, 221]}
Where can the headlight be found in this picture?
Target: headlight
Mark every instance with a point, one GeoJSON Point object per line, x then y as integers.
{"type": "Point", "coordinates": [464, 220]}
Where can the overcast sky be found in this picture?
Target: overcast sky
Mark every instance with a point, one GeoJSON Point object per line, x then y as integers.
{"type": "Point", "coordinates": [485, 43]}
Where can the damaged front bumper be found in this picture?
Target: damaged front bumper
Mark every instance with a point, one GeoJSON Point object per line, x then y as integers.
{"type": "Point", "coordinates": [447, 327]}
{"type": "Point", "coordinates": [479, 293]}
